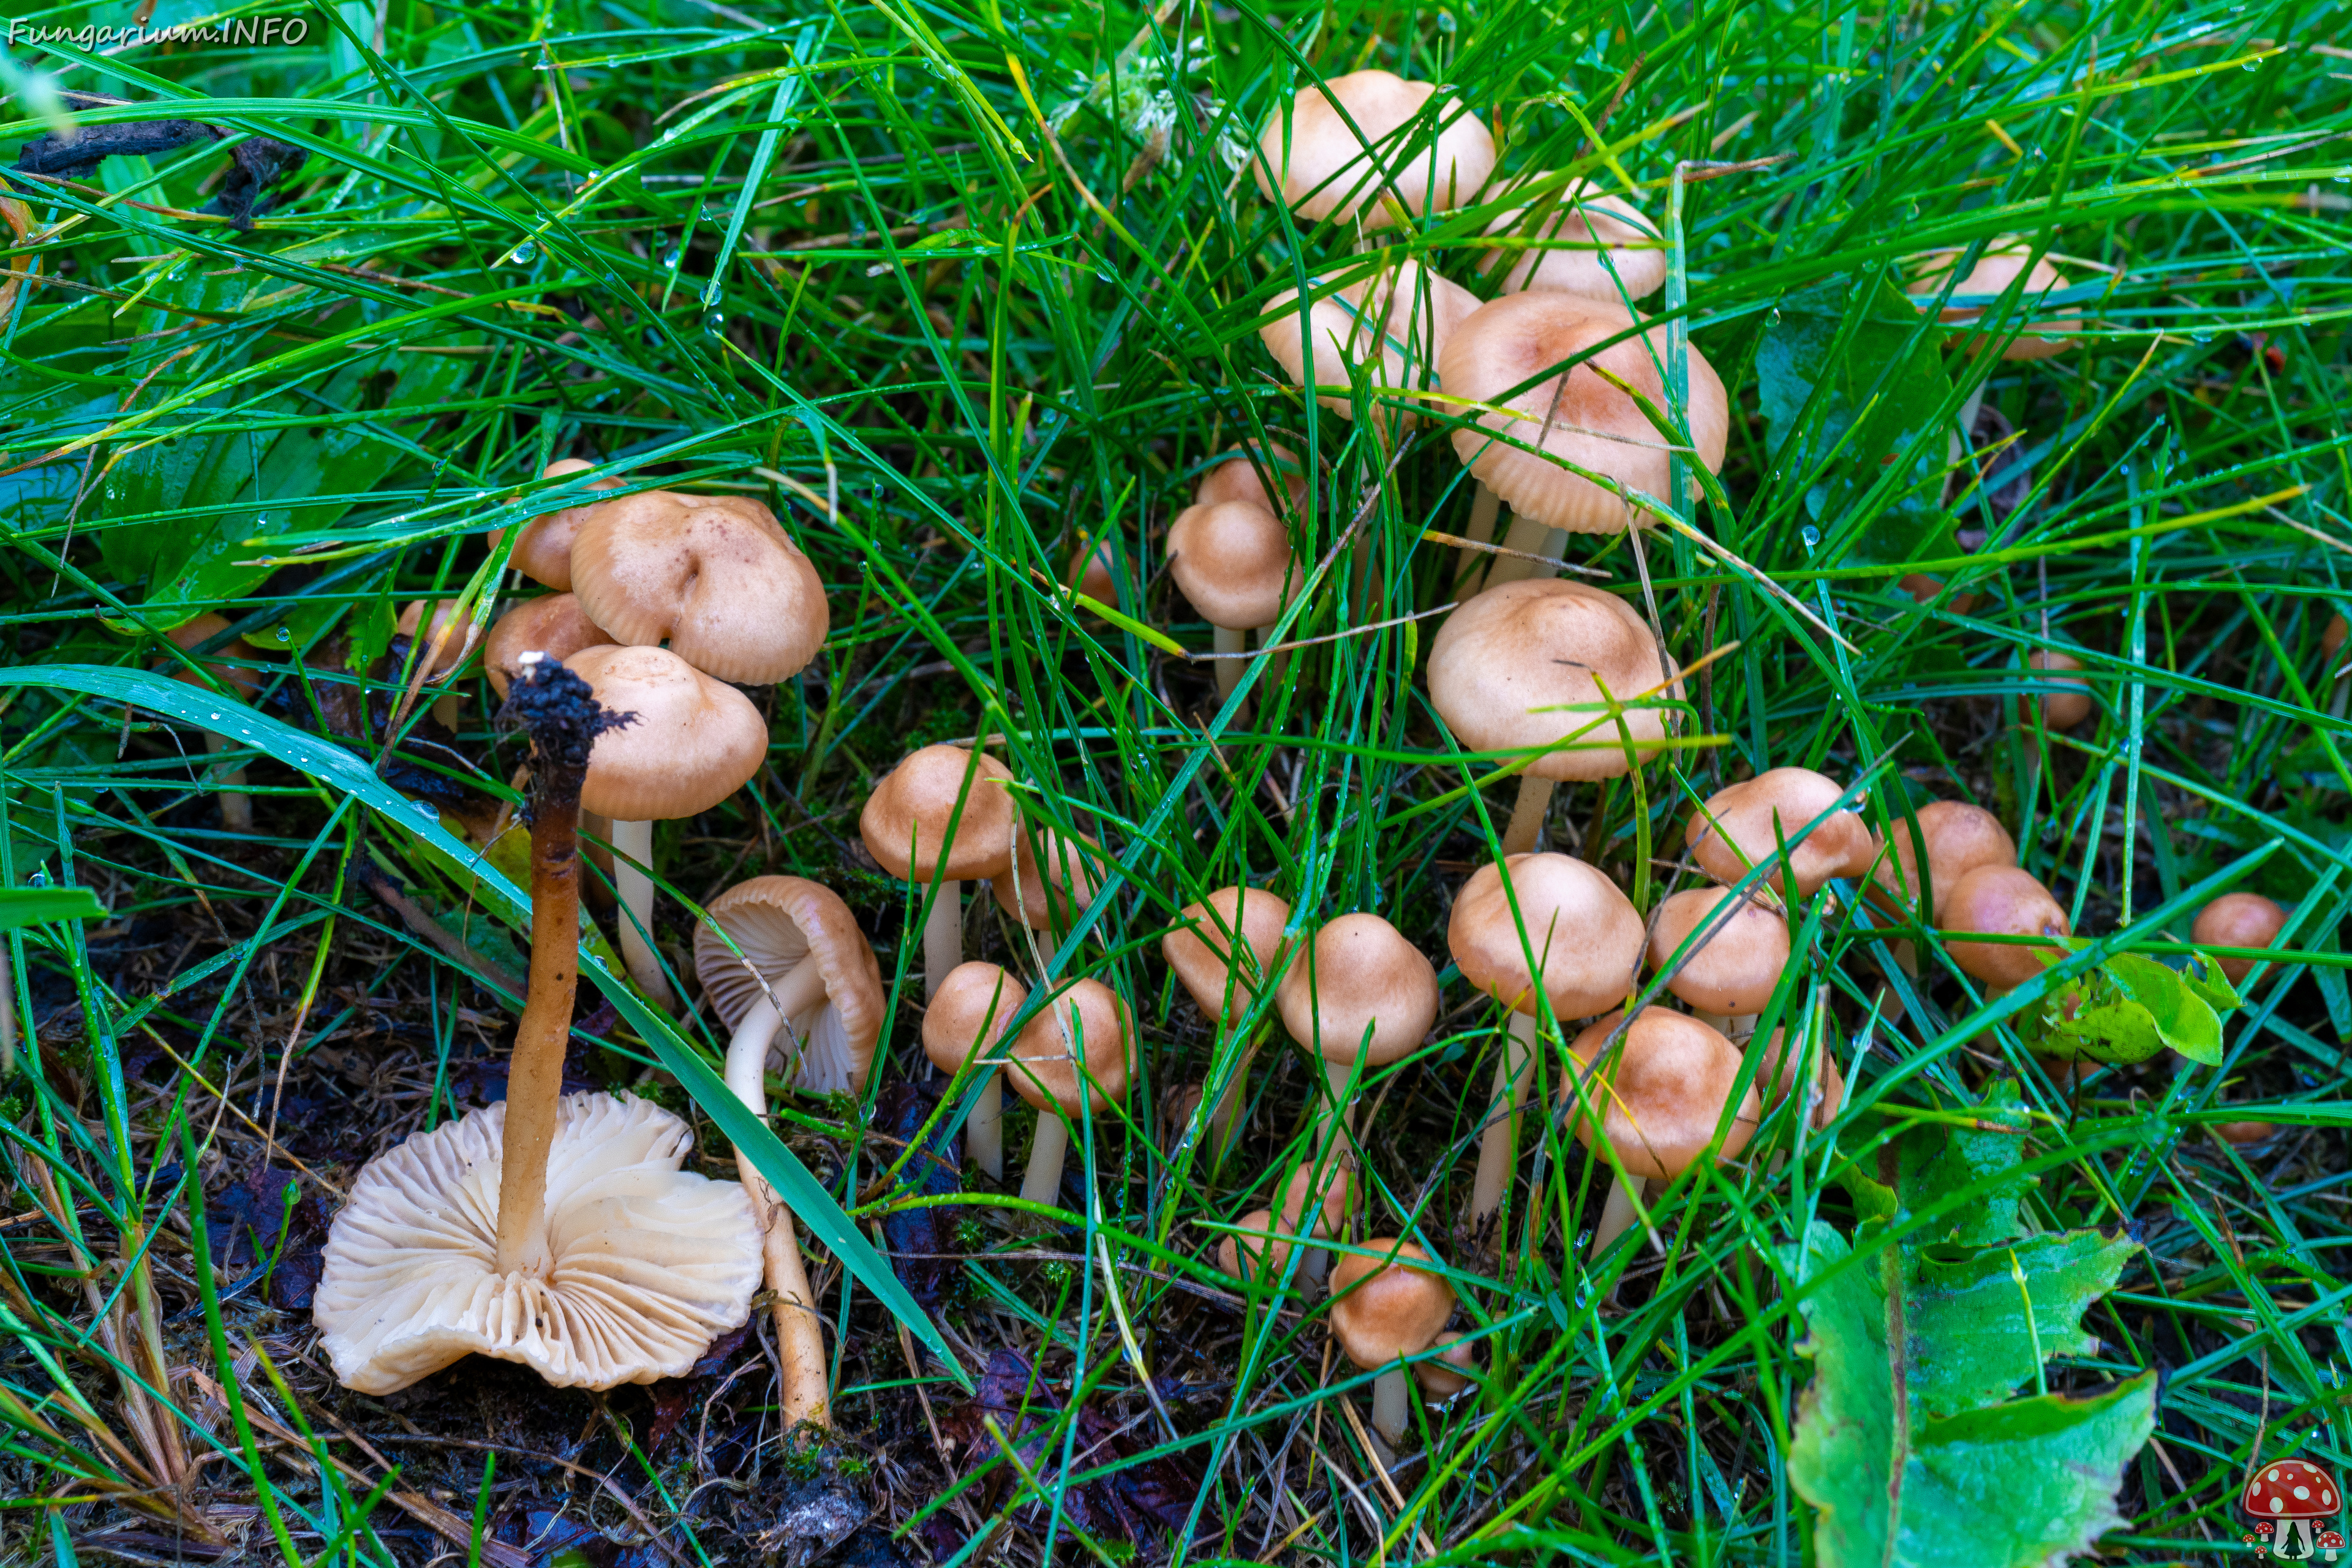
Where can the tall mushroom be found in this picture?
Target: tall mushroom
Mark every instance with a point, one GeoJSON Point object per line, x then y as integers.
{"type": "Point", "coordinates": [1361, 996]}
{"type": "Point", "coordinates": [1227, 952]}
{"type": "Point", "coordinates": [1529, 921]}
{"type": "Point", "coordinates": [1744, 825]}
{"type": "Point", "coordinates": [1071, 1060]}
{"type": "Point", "coordinates": [2239, 920]}
{"type": "Point", "coordinates": [1388, 1302]}
{"type": "Point", "coordinates": [1370, 147]}
{"type": "Point", "coordinates": [1522, 667]}
{"type": "Point", "coordinates": [236, 805]}
{"type": "Point", "coordinates": [804, 964]}
{"type": "Point", "coordinates": [1571, 237]}
{"type": "Point", "coordinates": [966, 1018]}
{"type": "Point", "coordinates": [553, 1230]}
{"type": "Point", "coordinates": [1723, 963]}
{"type": "Point", "coordinates": [1658, 1090]}
{"type": "Point", "coordinates": [942, 818]}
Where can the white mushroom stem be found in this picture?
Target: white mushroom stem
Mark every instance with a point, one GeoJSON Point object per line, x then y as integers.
{"type": "Point", "coordinates": [1339, 1113]}
{"type": "Point", "coordinates": [1732, 1027]}
{"type": "Point", "coordinates": [236, 805]}
{"type": "Point", "coordinates": [983, 1130]}
{"type": "Point", "coordinates": [1043, 1182]}
{"type": "Point", "coordinates": [1528, 537]}
{"type": "Point", "coordinates": [1498, 1146]}
{"type": "Point", "coordinates": [944, 940]}
{"type": "Point", "coordinates": [1525, 827]}
{"type": "Point", "coordinates": [1230, 640]}
{"type": "Point", "coordinates": [633, 856]}
{"type": "Point", "coordinates": [1484, 505]}
{"type": "Point", "coordinates": [800, 1338]}
{"type": "Point", "coordinates": [1617, 1212]}
{"type": "Point", "coordinates": [1392, 1404]}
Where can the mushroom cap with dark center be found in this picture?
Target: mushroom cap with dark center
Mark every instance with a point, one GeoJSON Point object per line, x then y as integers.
{"type": "Point", "coordinates": [1394, 321]}
{"type": "Point", "coordinates": [969, 1013]}
{"type": "Point", "coordinates": [542, 549]}
{"type": "Point", "coordinates": [1387, 1305]}
{"type": "Point", "coordinates": [1751, 820]}
{"type": "Point", "coordinates": [1583, 225]}
{"type": "Point", "coordinates": [1958, 836]}
{"type": "Point", "coordinates": [694, 742]}
{"type": "Point", "coordinates": [242, 683]}
{"type": "Point", "coordinates": [2292, 1488]}
{"type": "Point", "coordinates": [462, 636]}
{"type": "Point", "coordinates": [1574, 415]}
{"type": "Point", "coordinates": [554, 625]}
{"type": "Point", "coordinates": [1201, 948]}
{"type": "Point", "coordinates": [782, 923]}
{"type": "Point", "coordinates": [1999, 267]}
{"type": "Point", "coordinates": [911, 812]}
{"type": "Point", "coordinates": [1235, 563]}
{"type": "Point", "coordinates": [1737, 966]}
{"type": "Point", "coordinates": [1358, 974]}
{"type": "Point", "coordinates": [2002, 901]}
{"type": "Point", "coordinates": [1043, 1065]}
{"type": "Point", "coordinates": [1239, 473]}
{"type": "Point", "coordinates": [715, 577]}
{"type": "Point", "coordinates": [1323, 163]}
{"type": "Point", "coordinates": [1052, 879]}
{"type": "Point", "coordinates": [1505, 666]}
{"type": "Point", "coordinates": [2239, 920]}
{"type": "Point", "coordinates": [1661, 1091]}
{"type": "Point", "coordinates": [1585, 935]}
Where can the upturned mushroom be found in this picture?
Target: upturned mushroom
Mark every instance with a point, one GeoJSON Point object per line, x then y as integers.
{"type": "Point", "coordinates": [695, 742]}
{"type": "Point", "coordinates": [443, 645]}
{"type": "Point", "coordinates": [714, 577]}
{"type": "Point", "coordinates": [554, 625]}
{"type": "Point", "coordinates": [1572, 238]}
{"type": "Point", "coordinates": [1070, 1061]}
{"type": "Point", "coordinates": [1371, 147]}
{"type": "Point", "coordinates": [966, 1018]}
{"type": "Point", "coordinates": [940, 818]}
{"type": "Point", "coordinates": [239, 681]}
{"type": "Point", "coordinates": [1388, 1301]}
{"type": "Point", "coordinates": [2003, 901]}
{"type": "Point", "coordinates": [803, 965]}
{"type": "Point", "coordinates": [1521, 667]}
{"type": "Point", "coordinates": [553, 1230]}
{"type": "Point", "coordinates": [1530, 929]}
{"type": "Point", "coordinates": [1361, 996]}
{"type": "Point", "coordinates": [2239, 920]}
{"type": "Point", "coordinates": [1746, 824]}
{"type": "Point", "coordinates": [1227, 952]}
{"type": "Point", "coordinates": [1724, 962]}
{"type": "Point", "coordinates": [1660, 1091]}
{"type": "Point", "coordinates": [1393, 322]}
{"type": "Point", "coordinates": [1234, 561]}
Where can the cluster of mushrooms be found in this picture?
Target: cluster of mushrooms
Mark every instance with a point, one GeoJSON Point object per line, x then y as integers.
{"type": "Point", "coordinates": [560, 1230]}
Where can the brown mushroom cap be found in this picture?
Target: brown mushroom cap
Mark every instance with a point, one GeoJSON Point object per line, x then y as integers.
{"type": "Point", "coordinates": [1574, 415]}
{"type": "Point", "coordinates": [782, 923]}
{"type": "Point", "coordinates": [1757, 816]}
{"type": "Point", "coordinates": [1958, 836]}
{"type": "Point", "coordinates": [2002, 901]}
{"type": "Point", "coordinates": [2332, 634]}
{"type": "Point", "coordinates": [2238, 920]}
{"type": "Point", "coordinates": [1042, 1066]}
{"type": "Point", "coordinates": [1257, 1240]}
{"type": "Point", "coordinates": [1455, 1369]}
{"type": "Point", "coordinates": [696, 740]}
{"type": "Point", "coordinates": [1505, 665]}
{"type": "Point", "coordinates": [1199, 947]}
{"type": "Point", "coordinates": [908, 817]}
{"type": "Point", "coordinates": [543, 550]}
{"type": "Point", "coordinates": [1737, 968]}
{"type": "Point", "coordinates": [241, 683]}
{"type": "Point", "coordinates": [1999, 266]}
{"type": "Point", "coordinates": [715, 577]}
{"type": "Point", "coordinates": [1327, 166]}
{"type": "Point", "coordinates": [1571, 228]}
{"type": "Point", "coordinates": [1394, 321]}
{"type": "Point", "coordinates": [554, 625]}
{"type": "Point", "coordinates": [1387, 1305]}
{"type": "Point", "coordinates": [651, 1263]}
{"type": "Point", "coordinates": [462, 636]}
{"type": "Point", "coordinates": [1358, 974]}
{"type": "Point", "coordinates": [1661, 1091]}
{"type": "Point", "coordinates": [1585, 934]}
{"type": "Point", "coordinates": [1240, 473]}
{"type": "Point", "coordinates": [968, 1013]}
{"type": "Point", "coordinates": [2065, 703]}
{"type": "Point", "coordinates": [1339, 1184]}
{"type": "Point", "coordinates": [1776, 1075]}
{"type": "Point", "coordinates": [1090, 572]}
{"type": "Point", "coordinates": [1052, 878]}
{"type": "Point", "coordinates": [1234, 562]}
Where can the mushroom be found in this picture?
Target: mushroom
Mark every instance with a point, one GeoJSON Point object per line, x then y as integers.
{"type": "Point", "coordinates": [943, 816]}
{"type": "Point", "coordinates": [1361, 996]}
{"type": "Point", "coordinates": [1776, 1076]}
{"type": "Point", "coordinates": [1744, 825]}
{"type": "Point", "coordinates": [1563, 450]}
{"type": "Point", "coordinates": [1452, 1370]}
{"type": "Point", "coordinates": [1958, 839]}
{"type": "Point", "coordinates": [966, 1018]}
{"type": "Point", "coordinates": [542, 549]}
{"type": "Point", "coordinates": [443, 645]}
{"type": "Point", "coordinates": [553, 625]}
{"type": "Point", "coordinates": [715, 577]}
{"type": "Point", "coordinates": [2002, 901]}
{"type": "Point", "coordinates": [236, 805]}
{"type": "Point", "coordinates": [1362, 145]}
{"type": "Point", "coordinates": [695, 742]}
{"type": "Point", "coordinates": [553, 1230]}
{"type": "Point", "coordinates": [2005, 264]}
{"type": "Point", "coordinates": [1052, 879]}
{"type": "Point", "coordinates": [1239, 473]}
{"type": "Point", "coordinates": [2331, 649]}
{"type": "Point", "coordinates": [1574, 239]}
{"type": "Point", "coordinates": [803, 963]}
{"type": "Point", "coordinates": [1331, 1177]}
{"type": "Point", "coordinates": [2065, 703]}
{"type": "Point", "coordinates": [1394, 321]}
{"type": "Point", "coordinates": [1659, 1090]}
{"type": "Point", "coordinates": [1728, 974]}
{"type": "Point", "coordinates": [1258, 1250]}
{"type": "Point", "coordinates": [1531, 916]}
{"type": "Point", "coordinates": [2293, 1493]}
{"type": "Point", "coordinates": [1388, 1302]}
{"type": "Point", "coordinates": [1522, 667]}
{"type": "Point", "coordinates": [1092, 572]}
{"type": "Point", "coordinates": [2239, 920]}
{"type": "Point", "coordinates": [1234, 562]}
{"type": "Point", "coordinates": [1085, 1024]}
{"type": "Point", "coordinates": [1227, 977]}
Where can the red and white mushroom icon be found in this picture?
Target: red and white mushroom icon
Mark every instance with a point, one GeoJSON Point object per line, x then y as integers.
{"type": "Point", "coordinates": [2293, 1493]}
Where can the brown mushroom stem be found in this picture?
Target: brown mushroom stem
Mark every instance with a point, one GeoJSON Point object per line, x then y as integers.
{"type": "Point", "coordinates": [1498, 1146]}
{"type": "Point", "coordinates": [236, 805]}
{"type": "Point", "coordinates": [800, 1338]}
{"type": "Point", "coordinates": [1484, 506]}
{"type": "Point", "coordinates": [1043, 1182]}
{"type": "Point", "coordinates": [444, 711]}
{"type": "Point", "coordinates": [1230, 640]}
{"type": "Point", "coordinates": [1392, 1404]}
{"type": "Point", "coordinates": [1524, 829]}
{"type": "Point", "coordinates": [632, 857]}
{"type": "Point", "coordinates": [1617, 1212]}
{"type": "Point", "coordinates": [943, 936]}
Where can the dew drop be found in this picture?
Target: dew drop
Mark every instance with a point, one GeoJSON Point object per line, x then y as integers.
{"type": "Point", "coordinates": [670, 256]}
{"type": "Point", "coordinates": [38, 880]}
{"type": "Point", "coordinates": [714, 321]}
{"type": "Point", "coordinates": [1446, 24]}
{"type": "Point", "coordinates": [523, 254]}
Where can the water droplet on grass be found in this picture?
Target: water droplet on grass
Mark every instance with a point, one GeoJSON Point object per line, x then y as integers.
{"type": "Point", "coordinates": [523, 254]}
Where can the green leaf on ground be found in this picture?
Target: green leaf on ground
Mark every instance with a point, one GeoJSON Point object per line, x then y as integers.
{"type": "Point", "coordinates": [21, 907]}
{"type": "Point", "coordinates": [2131, 1008]}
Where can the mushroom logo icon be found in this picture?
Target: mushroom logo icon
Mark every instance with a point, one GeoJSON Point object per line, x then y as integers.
{"type": "Point", "coordinates": [2298, 1498]}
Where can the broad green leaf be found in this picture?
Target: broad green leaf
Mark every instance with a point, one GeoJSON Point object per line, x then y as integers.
{"type": "Point", "coordinates": [21, 907]}
{"type": "Point", "coordinates": [1928, 1165]}
{"type": "Point", "coordinates": [2130, 1008]}
{"type": "Point", "coordinates": [1973, 1339]}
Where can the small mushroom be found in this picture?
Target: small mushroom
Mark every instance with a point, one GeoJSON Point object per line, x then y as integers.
{"type": "Point", "coordinates": [1083, 1026]}
{"type": "Point", "coordinates": [1257, 1249]}
{"type": "Point", "coordinates": [961, 1026]}
{"type": "Point", "coordinates": [1776, 1076]}
{"type": "Point", "coordinates": [1520, 667]}
{"type": "Point", "coordinates": [1234, 562]}
{"type": "Point", "coordinates": [1571, 237]}
{"type": "Point", "coordinates": [942, 816]}
{"type": "Point", "coordinates": [553, 625]}
{"type": "Point", "coordinates": [1659, 1090]}
{"type": "Point", "coordinates": [443, 643]}
{"type": "Point", "coordinates": [2239, 920]}
{"type": "Point", "coordinates": [1728, 974]}
{"type": "Point", "coordinates": [1393, 322]}
{"type": "Point", "coordinates": [1052, 879]}
{"type": "Point", "coordinates": [1092, 572]}
{"type": "Point", "coordinates": [715, 577]}
{"type": "Point", "coordinates": [1744, 825]}
{"type": "Point", "coordinates": [2065, 703]}
{"type": "Point", "coordinates": [2004, 265]}
{"type": "Point", "coordinates": [1958, 839]}
{"type": "Point", "coordinates": [1361, 996]}
{"type": "Point", "coordinates": [1531, 921]}
{"type": "Point", "coordinates": [1389, 1302]}
{"type": "Point", "coordinates": [2003, 901]}
{"type": "Point", "coordinates": [1452, 1370]}
{"type": "Point", "coordinates": [240, 681]}
{"type": "Point", "coordinates": [543, 550]}
{"type": "Point", "coordinates": [1363, 145]}
{"type": "Point", "coordinates": [1226, 977]}
{"type": "Point", "coordinates": [1239, 473]}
